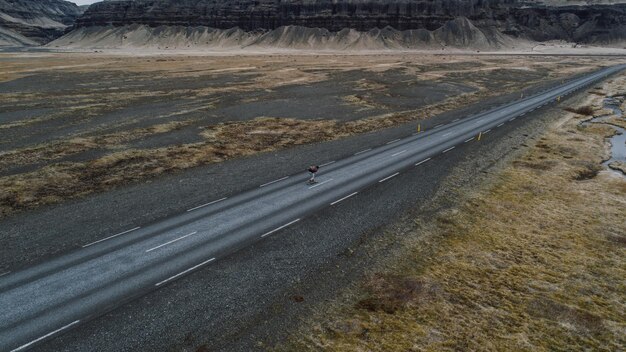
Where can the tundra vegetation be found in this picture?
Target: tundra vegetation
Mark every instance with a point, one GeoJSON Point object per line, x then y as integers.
{"type": "Point", "coordinates": [533, 260]}
{"type": "Point", "coordinates": [75, 124]}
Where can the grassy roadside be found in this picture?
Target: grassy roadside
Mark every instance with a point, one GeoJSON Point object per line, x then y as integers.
{"type": "Point", "coordinates": [534, 261]}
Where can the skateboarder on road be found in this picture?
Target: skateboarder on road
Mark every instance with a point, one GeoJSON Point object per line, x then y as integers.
{"type": "Point", "coordinates": [312, 170]}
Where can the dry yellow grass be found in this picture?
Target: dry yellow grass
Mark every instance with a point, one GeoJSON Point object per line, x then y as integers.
{"type": "Point", "coordinates": [619, 166]}
{"type": "Point", "coordinates": [56, 150]}
{"type": "Point", "coordinates": [617, 122]}
{"type": "Point", "coordinates": [61, 181]}
{"type": "Point", "coordinates": [536, 261]}
{"type": "Point", "coordinates": [48, 184]}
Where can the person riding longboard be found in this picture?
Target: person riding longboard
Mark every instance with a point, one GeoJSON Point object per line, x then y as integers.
{"type": "Point", "coordinates": [312, 170]}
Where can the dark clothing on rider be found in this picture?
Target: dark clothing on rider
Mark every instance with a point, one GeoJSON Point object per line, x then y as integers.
{"type": "Point", "coordinates": [313, 169]}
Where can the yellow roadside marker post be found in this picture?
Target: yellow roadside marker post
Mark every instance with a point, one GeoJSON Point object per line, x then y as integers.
{"type": "Point", "coordinates": [480, 134]}
{"type": "Point", "coordinates": [419, 127]}
{"type": "Point", "coordinates": [558, 99]}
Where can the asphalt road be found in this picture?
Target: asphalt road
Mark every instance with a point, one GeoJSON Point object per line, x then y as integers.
{"type": "Point", "coordinates": [53, 297]}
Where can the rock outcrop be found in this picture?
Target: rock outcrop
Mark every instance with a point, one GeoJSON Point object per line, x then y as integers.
{"type": "Point", "coordinates": [33, 22]}
{"type": "Point", "coordinates": [526, 19]}
{"type": "Point", "coordinates": [460, 33]}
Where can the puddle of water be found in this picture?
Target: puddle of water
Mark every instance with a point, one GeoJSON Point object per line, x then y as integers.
{"type": "Point", "coordinates": [618, 141]}
{"type": "Point", "coordinates": [614, 104]}
{"type": "Point", "coordinates": [618, 147]}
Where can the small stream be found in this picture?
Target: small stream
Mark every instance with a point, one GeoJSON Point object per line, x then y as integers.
{"type": "Point", "coordinates": [618, 141]}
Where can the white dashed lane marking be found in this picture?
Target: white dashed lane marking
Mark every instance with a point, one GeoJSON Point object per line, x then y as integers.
{"type": "Point", "coordinates": [269, 183]}
{"type": "Point", "coordinates": [398, 153]}
{"type": "Point", "coordinates": [172, 241]}
{"type": "Point", "coordinates": [280, 228]}
{"type": "Point", "coordinates": [423, 161]}
{"type": "Point", "coordinates": [344, 198]}
{"type": "Point", "coordinates": [363, 151]}
{"type": "Point", "coordinates": [321, 183]}
{"type": "Point", "coordinates": [388, 177]}
{"type": "Point", "coordinates": [209, 203]}
{"type": "Point", "coordinates": [184, 272]}
{"type": "Point", "coordinates": [108, 238]}
{"type": "Point", "coordinates": [45, 336]}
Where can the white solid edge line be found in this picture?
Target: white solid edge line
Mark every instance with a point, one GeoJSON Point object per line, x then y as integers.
{"type": "Point", "coordinates": [184, 272]}
{"type": "Point", "coordinates": [447, 150]}
{"type": "Point", "coordinates": [423, 161]}
{"type": "Point", "coordinates": [209, 203]}
{"type": "Point", "coordinates": [395, 140]}
{"type": "Point", "coordinates": [170, 242]}
{"type": "Point", "coordinates": [487, 131]}
{"type": "Point", "coordinates": [398, 153]}
{"type": "Point", "coordinates": [512, 119]}
{"type": "Point", "coordinates": [321, 183]}
{"type": "Point", "coordinates": [469, 140]}
{"type": "Point", "coordinates": [45, 336]}
{"type": "Point", "coordinates": [269, 183]}
{"type": "Point", "coordinates": [363, 151]}
{"type": "Point", "coordinates": [328, 163]}
{"type": "Point", "coordinates": [344, 198]}
{"type": "Point", "coordinates": [8, 272]}
{"type": "Point", "coordinates": [388, 177]}
{"type": "Point", "coordinates": [500, 124]}
{"type": "Point", "coordinates": [439, 125]}
{"type": "Point", "coordinates": [280, 228]}
{"type": "Point", "coordinates": [455, 120]}
{"type": "Point", "coordinates": [447, 134]}
{"type": "Point", "coordinates": [108, 238]}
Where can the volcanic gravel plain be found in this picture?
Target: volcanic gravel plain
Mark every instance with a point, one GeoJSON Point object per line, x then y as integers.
{"type": "Point", "coordinates": [77, 123]}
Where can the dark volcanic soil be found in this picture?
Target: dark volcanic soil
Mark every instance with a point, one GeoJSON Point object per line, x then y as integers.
{"type": "Point", "coordinates": [66, 97]}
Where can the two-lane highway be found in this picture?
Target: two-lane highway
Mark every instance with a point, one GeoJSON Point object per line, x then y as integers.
{"type": "Point", "coordinates": [45, 300]}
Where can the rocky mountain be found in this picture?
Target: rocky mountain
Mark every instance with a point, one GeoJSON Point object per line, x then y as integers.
{"type": "Point", "coordinates": [459, 32]}
{"type": "Point", "coordinates": [32, 22]}
{"type": "Point", "coordinates": [461, 23]}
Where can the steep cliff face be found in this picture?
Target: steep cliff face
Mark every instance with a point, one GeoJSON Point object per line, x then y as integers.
{"type": "Point", "coordinates": [31, 22]}
{"type": "Point", "coordinates": [527, 19]}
